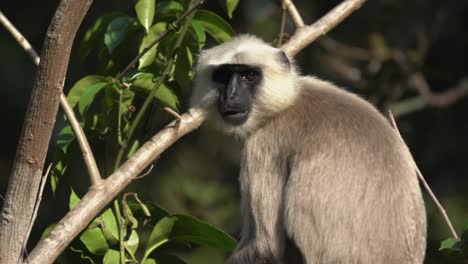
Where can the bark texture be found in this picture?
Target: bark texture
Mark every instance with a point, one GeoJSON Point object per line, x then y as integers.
{"type": "Point", "coordinates": [27, 168]}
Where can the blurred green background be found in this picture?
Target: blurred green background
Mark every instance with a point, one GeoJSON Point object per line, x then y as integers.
{"type": "Point", "coordinates": [374, 53]}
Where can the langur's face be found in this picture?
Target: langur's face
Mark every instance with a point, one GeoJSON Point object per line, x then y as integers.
{"type": "Point", "coordinates": [237, 85]}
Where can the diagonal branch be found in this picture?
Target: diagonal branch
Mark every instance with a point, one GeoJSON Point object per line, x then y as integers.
{"type": "Point", "coordinates": [88, 156]}
{"type": "Point", "coordinates": [425, 184]}
{"type": "Point", "coordinates": [96, 199]}
{"type": "Point", "coordinates": [305, 35]}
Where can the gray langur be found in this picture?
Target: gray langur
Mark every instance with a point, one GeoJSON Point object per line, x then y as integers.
{"type": "Point", "coordinates": [324, 177]}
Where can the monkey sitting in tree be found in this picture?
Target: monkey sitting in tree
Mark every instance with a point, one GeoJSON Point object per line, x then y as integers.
{"type": "Point", "coordinates": [324, 177]}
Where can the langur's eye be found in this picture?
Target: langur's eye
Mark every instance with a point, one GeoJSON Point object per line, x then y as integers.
{"type": "Point", "coordinates": [249, 75]}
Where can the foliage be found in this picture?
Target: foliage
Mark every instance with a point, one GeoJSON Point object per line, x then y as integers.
{"type": "Point", "coordinates": [111, 110]}
{"type": "Point", "coordinates": [459, 245]}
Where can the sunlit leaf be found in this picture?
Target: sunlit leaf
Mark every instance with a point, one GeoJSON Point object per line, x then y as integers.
{"type": "Point", "coordinates": [110, 227]}
{"type": "Point", "coordinates": [74, 200]}
{"type": "Point", "coordinates": [80, 87]}
{"type": "Point", "coordinates": [87, 97]}
{"type": "Point", "coordinates": [214, 25]}
{"type": "Point", "coordinates": [450, 243]}
{"type": "Point", "coordinates": [94, 241]}
{"type": "Point", "coordinates": [47, 230]}
{"type": "Point", "coordinates": [145, 12]}
{"type": "Point", "coordinates": [190, 229]}
{"type": "Point", "coordinates": [111, 257]}
{"type": "Point", "coordinates": [153, 33]}
{"type": "Point", "coordinates": [132, 241]}
{"type": "Point", "coordinates": [145, 82]}
{"type": "Point", "coordinates": [198, 33]}
{"type": "Point", "coordinates": [230, 6]}
{"type": "Point", "coordinates": [149, 261]}
{"type": "Point", "coordinates": [117, 31]}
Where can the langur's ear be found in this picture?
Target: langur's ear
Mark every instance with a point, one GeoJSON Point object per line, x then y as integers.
{"type": "Point", "coordinates": [284, 59]}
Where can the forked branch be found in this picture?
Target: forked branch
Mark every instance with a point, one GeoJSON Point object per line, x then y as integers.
{"type": "Point", "coordinates": [305, 35]}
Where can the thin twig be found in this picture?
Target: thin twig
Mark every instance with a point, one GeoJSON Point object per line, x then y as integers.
{"type": "Point", "coordinates": [307, 34]}
{"type": "Point", "coordinates": [425, 184]}
{"type": "Point", "coordinates": [282, 25]}
{"type": "Point", "coordinates": [88, 156]}
{"type": "Point", "coordinates": [440, 99]}
{"type": "Point", "coordinates": [146, 173]}
{"type": "Point", "coordinates": [36, 208]}
{"type": "Point", "coordinates": [293, 13]}
{"type": "Point", "coordinates": [19, 38]}
{"type": "Point", "coordinates": [171, 28]}
{"type": "Point", "coordinates": [90, 161]}
{"type": "Point", "coordinates": [173, 113]}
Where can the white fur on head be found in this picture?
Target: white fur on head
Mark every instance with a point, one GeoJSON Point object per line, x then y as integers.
{"type": "Point", "coordinates": [279, 88]}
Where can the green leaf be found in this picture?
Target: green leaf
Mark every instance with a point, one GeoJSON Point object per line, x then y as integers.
{"type": "Point", "coordinates": [65, 138]}
{"type": "Point", "coordinates": [133, 241]}
{"type": "Point", "coordinates": [94, 37]}
{"type": "Point", "coordinates": [74, 200]}
{"type": "Point", "coordinates": [145, 82]}
{"type": "Point", "coordinates": [110, 227]}
{"type": "Point", "coordinates": [168, 10]}
{"type": "Point", "coordinates": [230, 6]}
{"type": "Point", "coordinates": [61, 156]}
{"type": "Point", "coordinates": [188, 228]}
{"type": "Point", "coordinates": [183, 68]}
{"type": "Point", "coordinates": [94, 241]}
{"type": "Point", "coordinates": [47, 231]}
{"type": "Point", "coordinates": [133, 148]}
{"type": "Point", "coordinates": [117, 31]}
{"type": "Point", "coordinates": [198, 33]}
{"type": "Point", "coordinates": [149, 261]}
{"type": "Point", "coordinates": [450, 243]}
{"type": "Point", "coordinates": [87, 97]}
{"type": "Point", "coordinates": [153, 33]}
{"type": "Point", "coordinates": [145, 12]}
{"type": "Point", "coordinates": [111, 257]}
{"type": "Point", "coordinates": [214, 25]}
{"type": "Point", "coordinates": [80, 87]}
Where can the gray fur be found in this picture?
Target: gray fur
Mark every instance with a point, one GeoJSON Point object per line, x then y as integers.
{"type": "Point", "coordinates": [322, 170]}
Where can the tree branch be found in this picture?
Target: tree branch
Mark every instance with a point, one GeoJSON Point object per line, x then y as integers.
{"type": "Point", "coordinates": [88, 156]}
{"type": "Point", "coordinates": [32, 147]}
{"type": "Point", "coordinates": [96, 199]}
{"type": "Point", "coordinates": [425, 184]}
{"type": "Point", "coordinates": [293, 13]}
{"type": "Point", "coordinates": [441, 99]}
{"type": "Point", "coordinates": [305, 35]}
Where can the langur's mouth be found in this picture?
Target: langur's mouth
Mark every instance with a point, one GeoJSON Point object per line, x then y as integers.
{"type": "Point", "coordinates": [233, 113]}
{"type": "Point", "coordinates": [234, 116]}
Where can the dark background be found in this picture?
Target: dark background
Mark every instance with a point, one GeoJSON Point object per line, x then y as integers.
{"type": "Point", "coordinates": [373, 53]}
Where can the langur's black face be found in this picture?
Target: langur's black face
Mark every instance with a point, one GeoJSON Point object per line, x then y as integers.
{"type": "Point", "coordinates": [237, 85]}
